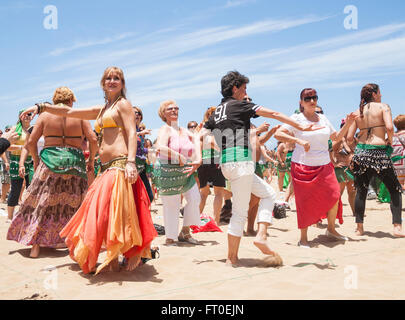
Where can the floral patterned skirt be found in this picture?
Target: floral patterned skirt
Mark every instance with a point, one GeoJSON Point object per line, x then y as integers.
{"type": "Point", "coordinates": [48, 204]}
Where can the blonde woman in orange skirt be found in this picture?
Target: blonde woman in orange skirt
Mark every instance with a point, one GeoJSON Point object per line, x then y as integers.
{"type": "Point", "coordinates": [115, 212]}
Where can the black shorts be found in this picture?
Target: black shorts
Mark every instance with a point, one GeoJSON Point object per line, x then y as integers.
{"type": "Point", "coordinates": [210, 173]}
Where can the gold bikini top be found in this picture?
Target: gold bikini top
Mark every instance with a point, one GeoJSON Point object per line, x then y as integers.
{"type": "Point", "coordinates": [106, 121]}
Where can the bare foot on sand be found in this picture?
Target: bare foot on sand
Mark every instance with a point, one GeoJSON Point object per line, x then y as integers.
{"type": "Point", "coordinates": [35, 251]}
{"type": "Point", "coordinates": [170, 242]}
{"type": "Point", "coordinates": [250, 233]}
{"type": "Point", "coordinates": [133, 263]}
{"type": "Point", "coordinates": [359, 230]}
{"type": "Point", "coordinates": [263, 246]}
{"type": "Point", "coordinates": [114, 265]}
{"type": "Point", "coordinates": [232, 263]}
{"type": "Point", "coordinates": [398, 231]}
{"type": "Point", "coordinates": [304, 244]}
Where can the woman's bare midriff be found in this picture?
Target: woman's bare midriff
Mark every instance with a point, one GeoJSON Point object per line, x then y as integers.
{"type": "Point", "coordinates": [114, 145]}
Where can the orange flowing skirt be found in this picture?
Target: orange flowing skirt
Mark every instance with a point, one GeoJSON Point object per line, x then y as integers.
{"type": "Point", "coordinates": [114, 213]}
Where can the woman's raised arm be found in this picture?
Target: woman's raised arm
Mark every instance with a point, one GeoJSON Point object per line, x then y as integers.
{"type": "Point", "coordinates": [64, 111]}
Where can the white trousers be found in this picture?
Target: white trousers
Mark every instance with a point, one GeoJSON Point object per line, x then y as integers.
{"type": "Point", "coordinates": [243, 183]}
{"type": "Point", "coordinates": [171, 211]}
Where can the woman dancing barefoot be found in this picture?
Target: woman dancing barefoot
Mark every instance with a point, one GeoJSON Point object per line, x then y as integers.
{"type": "Point", "coordinates": [372, 155]}
{"type": "Point", "coordinates": [317, 192]}
{"type": "Point", "coordinates": [115, 211]}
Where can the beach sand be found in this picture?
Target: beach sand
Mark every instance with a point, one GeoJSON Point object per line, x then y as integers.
{"type": "Point", "coordinates": [366, 267]}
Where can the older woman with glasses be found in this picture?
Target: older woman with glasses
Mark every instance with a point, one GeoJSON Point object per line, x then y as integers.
{"type": "Point", "coordinates": [317, 192]}
{"type": "Point", "coordinates": [179, 157]}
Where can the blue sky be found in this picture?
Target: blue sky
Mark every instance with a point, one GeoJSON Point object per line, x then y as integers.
{"type": "Point", "coordinates": [181, 49]}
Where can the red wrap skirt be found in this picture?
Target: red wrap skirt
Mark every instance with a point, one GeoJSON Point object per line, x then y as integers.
{"type": "Point", "coordinates": [316, 192]}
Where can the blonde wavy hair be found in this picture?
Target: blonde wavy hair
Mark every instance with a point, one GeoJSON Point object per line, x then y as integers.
{"type": "Point", "coordinates": [162, 108]}
{"type": "Point", "coordinates": [63, 95]}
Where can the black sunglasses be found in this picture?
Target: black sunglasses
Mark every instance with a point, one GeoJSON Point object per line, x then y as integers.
{"type": "Point", "coordinates": [192, 127]}
{"type": "Point", "coordinates": [321, 112]}
{"type": "Point", "coordinates": [308, 99]}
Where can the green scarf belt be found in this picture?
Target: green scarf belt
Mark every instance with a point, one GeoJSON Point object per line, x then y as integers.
{"type": "Point", "coordinates": [363, 146]}
{"type": "Point", "coordinates": [171, 180]}
{"type": "Point", "coordinates": [15, 166]}
{"type": "Point", "coordinates": [65, 160]}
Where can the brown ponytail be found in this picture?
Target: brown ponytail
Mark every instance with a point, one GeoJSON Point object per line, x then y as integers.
{"type": "Point", "coordinates": [367, 95]}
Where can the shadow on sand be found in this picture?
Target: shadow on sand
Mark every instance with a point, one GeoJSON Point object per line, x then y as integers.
{"type": "Point", "coordinates": [143, 273]}
{"type": "Point", "coordinates": [43, 253]}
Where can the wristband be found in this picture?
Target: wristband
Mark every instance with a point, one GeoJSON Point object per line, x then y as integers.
{"type": "Point", "coordinates": [40, 107]}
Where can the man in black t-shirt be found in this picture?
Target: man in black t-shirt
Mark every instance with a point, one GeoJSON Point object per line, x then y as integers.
{"type": "Point", "coordinates": [230, 126]}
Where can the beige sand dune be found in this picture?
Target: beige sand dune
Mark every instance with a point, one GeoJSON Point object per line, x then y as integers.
{"type": "Point", "coordinates": [366, 267]}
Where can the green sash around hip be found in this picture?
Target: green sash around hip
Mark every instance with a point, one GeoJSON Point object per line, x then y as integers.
{"type": "Point", "coordinates": [388, 149]}
{"type": "Point", "coordinates": [383, 193]}
{"type": "Point", "coordinates": [14, 167]}
{"type": "Point", "coordinates": [171, 180]}
{"type": "Point", "coordinates": [65, 160]}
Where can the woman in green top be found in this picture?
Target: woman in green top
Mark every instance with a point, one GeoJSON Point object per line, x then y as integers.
{"type": "Point", "coordinates": [22, 128]}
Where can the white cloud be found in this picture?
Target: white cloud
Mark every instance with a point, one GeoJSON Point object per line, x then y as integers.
{"type": "Point", "coordinates": [91, 43]}
{"type": "Point", "coordinates": [158, 70]}
{"type": "Point", "coordinates": [238, 3]}
{"type": "Point", "coordinates": [165, 47]}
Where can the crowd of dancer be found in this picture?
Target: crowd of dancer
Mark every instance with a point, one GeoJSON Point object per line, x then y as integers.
{"type": "Point", "coordinates": [92, 190]}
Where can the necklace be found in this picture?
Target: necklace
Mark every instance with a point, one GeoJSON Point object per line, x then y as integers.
{"type": "Point", "coordinates": [101, 134]}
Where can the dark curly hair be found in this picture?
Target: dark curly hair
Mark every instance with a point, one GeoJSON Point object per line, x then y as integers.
{"type": "Point", "coordinates": [231, 79]}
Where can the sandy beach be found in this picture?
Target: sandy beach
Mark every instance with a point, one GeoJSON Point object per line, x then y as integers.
{"type": "Point", "coordinates": [366, 267]}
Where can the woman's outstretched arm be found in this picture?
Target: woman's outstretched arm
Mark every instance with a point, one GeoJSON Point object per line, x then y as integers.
{"type": "Point", "coordinates": [64, 111]}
